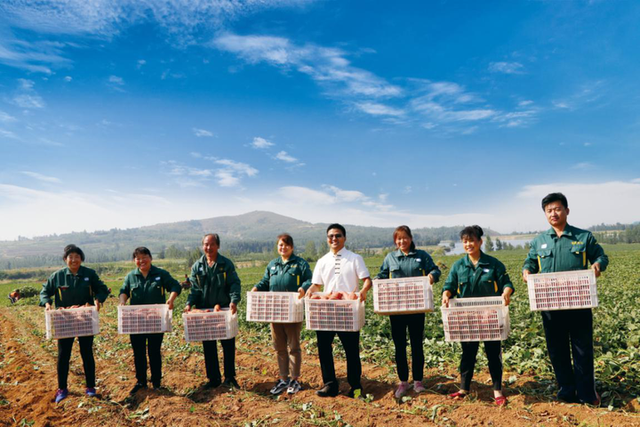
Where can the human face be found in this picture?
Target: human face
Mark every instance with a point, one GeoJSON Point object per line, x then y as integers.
{"type": "Point", "coordinates": [472, 245]}
{"type": "Point", "coordinates": [403, 241]}
{"type": "Point", "coordinates": [556, 214]}
{"type": "Point", "coordinates": [73, 261]}
{"type": "Point", "coordinates": [284, 249]}
{"type": "Point", "coordinates": [210, 247]}
{"type": "Point", "coordinates": [143, 262]}
{"type": "Point", "coordinates": [335, 239]}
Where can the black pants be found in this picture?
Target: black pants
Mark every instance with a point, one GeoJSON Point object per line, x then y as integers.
{"type": "Point", "coordinates": [570, 332]}
{"type": "Point", "coordinates": [140, 348]}
{"type": "Point", "coordinates": [211, 359]}
{"type": "Point", "coordinates": [493, 350]}
{"type": "Point", "coordinates": [399, 325]}
{"type": "Point", "coordinates": [64, 355]}
{"type": "Point", "coordinates": [351, 344]}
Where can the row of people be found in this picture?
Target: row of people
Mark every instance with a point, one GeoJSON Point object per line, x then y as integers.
{"type": "Point", "coordinates": [216, 285]}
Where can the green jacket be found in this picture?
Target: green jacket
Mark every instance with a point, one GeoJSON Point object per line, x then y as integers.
{"type": "Point", "coordinates": [214, 285]}
{"type": "Point", "coordinates": [287, 276]}
{"type": "Point", "coordinates": [571, 251]}
{"type": "Point", "coordinates": [415, 263]}
{"type": "Point", "coordinates": [69, 289]}
{"type": "Point", "coordinates": [487, 279]}
{"type": "Point", "coordinates": [149, 290]}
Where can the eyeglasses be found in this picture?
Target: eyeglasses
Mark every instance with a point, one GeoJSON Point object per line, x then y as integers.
{"type": "Point", "coordinates": [334, 236]}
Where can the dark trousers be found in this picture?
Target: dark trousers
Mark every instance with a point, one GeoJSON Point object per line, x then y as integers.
{"type": "Point", "coordinates": [571, 332]}
{"type": "Point", "coordinates": [493, 350]}
{"type": "Point", "coordinates": [351, 344]}
{"type": "Point", "coordinates": [64, 356]}
{"type": "Point", "coordinates": [211, 359]}
{"type": "Point", "coordinates": [141, 344]}
{"type": "Point", "coordinates": [415, 324]}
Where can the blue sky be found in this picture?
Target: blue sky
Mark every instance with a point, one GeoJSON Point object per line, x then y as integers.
{"type": "Point", "coordinates": [122, 113]}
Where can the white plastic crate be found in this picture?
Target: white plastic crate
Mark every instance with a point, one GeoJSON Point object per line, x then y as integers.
{"type": "Point", "coordinates": [402, 296]}
{"type": "Point", "coordinates": [562, 291]}
{"type": "Point", "coordinates": [476, 319]}
{"type": "Point", "coordinates": [210, 325]}
{"type": "Point", "coordinates": [144, 319]}
{"type": "Point", "coordinates": [71, 322]}
{"type": "Point", "coordinates": [275, 307]}
{"type": "Point", "coordinates": [334, 315]}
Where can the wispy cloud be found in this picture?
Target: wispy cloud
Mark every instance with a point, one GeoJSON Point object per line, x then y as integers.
{"type": "Point", "coordinates": [232, 172]}
{"type": "Point", "coordinates": [261, 143]}
{"type": "Point", "coordinates": [36, 56]}
{"type": "Point", "coordinates": [583, 166]}
{"type": "Point", "coordinates": [116, 82]}
{"type": "Point", "coordinates": [26, 96]}
{"type": "Point", "coordinates": [6, 118]}
{"type": "Point", "coordinates": [40, 177]}
{"type": "Point", "coordinates": [587, 93]}
{"type": "Point", "coordinates": [332, 195]}
{"type": "Point", "coordinates": [377, 109]}
{"type": "Point", "coordinates": [7, 134]}
{"type": "Point", "coordinates": [285, 157]}
{"type": "Point", "coordinates": [202, 133]}
{"type": "Point", "coordinates": [506, 67]}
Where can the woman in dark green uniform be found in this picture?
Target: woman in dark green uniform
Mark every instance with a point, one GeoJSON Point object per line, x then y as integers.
{"type": "Point", "coordinates": [74, 286]}
{"type": "Point", "coordinates": [478, 275]}
{"type": "Point", "coordinates": [408, 261]}
{"type": "Point", "coordinates": [148, 284]}
{"type": "Point", "coordinates": [288, 273]}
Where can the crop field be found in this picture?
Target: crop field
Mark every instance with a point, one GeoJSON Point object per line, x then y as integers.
{"type": "Point", "coordinates": [28, 367]}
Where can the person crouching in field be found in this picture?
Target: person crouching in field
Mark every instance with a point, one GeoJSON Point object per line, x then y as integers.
{"type": "Point", "coordinates": [478, 275]}
{"type": "Point", "coordinates": [215, 284]}
{"type": "Point", "coordinates": [74, 286]}
{"type": "Point", "coordinates": [408, 261]}
{"type": "Point", "coordinates": [288, 273]}
{"type": "Point", "coordinates": [148, 284]}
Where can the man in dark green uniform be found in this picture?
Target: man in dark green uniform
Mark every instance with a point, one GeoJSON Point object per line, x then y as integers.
{"type": "Point", "coordinates": [567, 248]}
{"type": "Point", "coordinates": [215, 284]}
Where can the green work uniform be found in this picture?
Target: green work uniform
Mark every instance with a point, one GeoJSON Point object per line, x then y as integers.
{"type": "Point", "coordinates": [488, 278]}
{"type": "Point", "coordinates": [289, 276]}
{"type": "Point", "coordinates": [70, 289]}
{"type": "Point", "coordinates": [218, 284]}
{"type": "Point", "coordinates": [151, 289]}
{"type": "Point", "coordinates": [416, 263]}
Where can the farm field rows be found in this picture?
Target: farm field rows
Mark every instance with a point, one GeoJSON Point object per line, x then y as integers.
{"type": "Point", "coordinates": [28, 371]}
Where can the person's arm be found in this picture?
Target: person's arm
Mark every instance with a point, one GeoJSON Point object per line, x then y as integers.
{"type": "Point", "coordinates": [366, 285]}
{"type": "Point", "coordinates": [363, 274]}
{"type": "Point", "coordinates": [47, 291]}
{"type": "Point", "coordinates": [384, 269]}
{"type": "Point", "coordinates": [235, 288]}
{"type": "Point", "coordinates": [125, 291]}
{"type": "Point", "coordinates": [173, 286]}
{"type": "Point", "coordinates": [450, 288]}
{"type": "Point", "coordinates": [596, 256]}
{"type": "Point", "coordinates": [316, 279]}
{"type": "Point", "coordinates": [305, 278]}
{"type": "Point", "coordinates": [431, 269]}
{"type": "Point", "coordinates": [100, 290]}
{"type": "Point", "coordinates": [530, 263]}
{"type": "Point", "coordinates": [263, 284]}
{"type": "Point", "coordinates": [196, 291]}
{"type": "Point", "coordinates": [505, 283]}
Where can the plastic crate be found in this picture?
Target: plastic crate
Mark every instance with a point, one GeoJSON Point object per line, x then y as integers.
{"type": "Point", "coordinates": [71, 322]}
{"type": "Point", "coordinates": [144, 319]}
{"type": "Point", "coordinates": [210, 325]}
{"type": "Point", "coordinates": [275, 307]}
{"type": "Point", "coordinates": [402, 296]}
{"type": "Point", "coordinates": [334, 315]}
{"type": "Point", "coordinates": [562, 291]}
{"type": "Point", "coordinates": [476, 319]}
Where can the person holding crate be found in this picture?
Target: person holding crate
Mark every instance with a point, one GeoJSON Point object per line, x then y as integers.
{"type": "Point", "coordinates": [288, 273]}
{"type": "Point", "coordinates": [407, 261]}
{"type": "Point", "coordinates": [215, 285]}
{"type": "Point", "coordinates": [340, 270]}
{"type": "Point", "coordinates": [74, 286]}
{"type": "Point", "coordinates": [478, 275]}
{"type": "Point", "coordinates": [566, 248]}
{"type": "Point", "coordinates": [148, 284]}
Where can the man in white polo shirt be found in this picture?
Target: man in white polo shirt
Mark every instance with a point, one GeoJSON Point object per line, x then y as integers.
{"type": "Point", "coordinates": [340, 270]}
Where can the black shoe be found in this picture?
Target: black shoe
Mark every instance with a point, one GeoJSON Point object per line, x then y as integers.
{"type": "Point", "coordinates": [157, 386]}
{"type": "Point", "coordinates": [231, 383]}
{"type": "Point", "coordinates": [352, 393]}
{"type": "Point", "coordinates": [568, 397]}
{"type": "Point", "coordinates": [213, 383]}
{"type": "Point", "coordinates": [329, 390]}
{"type": "Point", "coordinates": [136, 388]}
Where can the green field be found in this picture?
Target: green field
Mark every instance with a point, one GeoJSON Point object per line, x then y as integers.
{"type": "Point", "coordinates": [617, 330]}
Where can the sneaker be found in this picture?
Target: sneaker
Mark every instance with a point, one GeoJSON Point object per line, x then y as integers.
{"type": "Point", "coordinates": [90, 391]}
{"type": "Point", "coordinates": [231, 383]}
{"type": "Point", "coordinates": [329, 390]}
{"type": "Point", "coordinates": [61, 394]}
{"type": "Point", "coordinates": [136, 388]}
{"type": "Point", "coordinates": [418, 387]}
{"type": "Point", "coordinates": [280, 386]}
{"type": "Point", "coordinates": [294, 387]}
{"type": "Point", "coordinates": [403, 388]}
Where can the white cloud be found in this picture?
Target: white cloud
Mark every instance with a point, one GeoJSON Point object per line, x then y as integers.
{"type": "Point", "coordinates": [377, 109]}
{"type": "Point", "coordinates": [586, 93]}
{"type": "Point", "coordinates": [506, 67]}
{"type": "Point", "coordinates": [7, 134]}
{"type": "Point", "coordinates": [261, 143]}
{"type": "Point", "coordinates": [305, 196]}
{"type": "Point", "coordinates": [583, 166]}
{"type": "Point", "coordinates": [115, 80]}
{"type": "Point", "coordinates": [6, 118]}
{"type": "Point", "coordinates": [40, 177]}
{"type": "Point", "coordinates": [35, 56]}
{"type": "Point", "coordinates": [26, 95]}
{"type": "Point", "coordinates": [68, 79]}
{"type": "Point", "coordinates": [202, 133]}
{"type": "Point", "coordinates": [282, 155]}
{"type": "Point", "coordinates": [140, 63]}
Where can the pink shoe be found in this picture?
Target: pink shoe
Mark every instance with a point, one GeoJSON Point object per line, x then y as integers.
{"type": "Point", "coordinates": [418, 387]}
{"type": "Point", "coordinates": [403, 388]}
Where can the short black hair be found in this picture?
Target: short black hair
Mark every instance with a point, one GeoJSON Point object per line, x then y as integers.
{"type": "Point", "coordinates": [555, 197]}
{"type": "Point", "coordinates": [472, 231]}
{"type": "Point", "coordinates": [72, 249]}
{"type": "Point", "coordinates": [286, 238]}
{"type": "Point", "coordinates": [215, 236]}
{"type": "Point", "coordinates": [339, 227]}
{"type": "Point", "coordinates": [141, 250]}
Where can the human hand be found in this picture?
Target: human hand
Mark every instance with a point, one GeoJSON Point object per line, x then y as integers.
{"type": "Point", "coordinates": [506, 295]}
{"type": "Point", "coordinates": [446, 295]}
{"type": "Point", "coordinates": [525, 275]}
{"type": "Point", "coordinates": [596, 268]}
{"type": "Point", "coordinates": [47, 306]}
{"type": "Point", "coordinates": [300, 293]}
{"type": "Point", "coordinates": [233, 307]}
